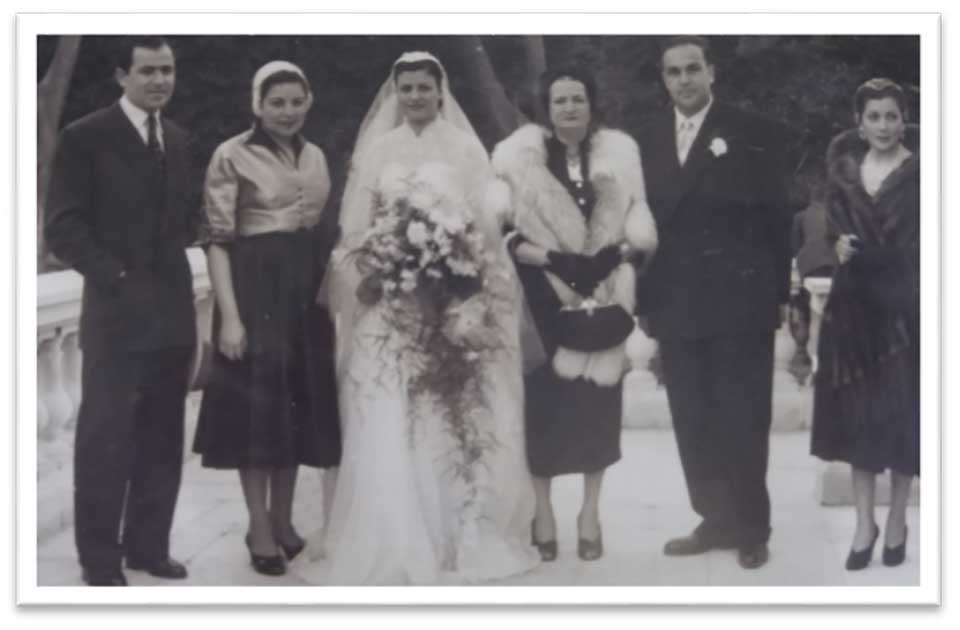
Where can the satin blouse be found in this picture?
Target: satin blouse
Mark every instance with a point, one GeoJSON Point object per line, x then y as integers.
{"type": "Point", "coordinates": [251, 188]}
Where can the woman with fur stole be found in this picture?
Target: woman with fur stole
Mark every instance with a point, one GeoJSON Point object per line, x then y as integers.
{"type": "Point", "coordinates": [579, 229]}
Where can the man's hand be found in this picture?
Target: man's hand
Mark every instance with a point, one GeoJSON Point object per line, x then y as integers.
{"type": "Point", "coordinates": [846, 247]}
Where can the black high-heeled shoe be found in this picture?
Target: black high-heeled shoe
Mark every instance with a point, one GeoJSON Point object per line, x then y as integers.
{"type": "Point", "coordinates": [858, 560]}
{"type": "Point", "coordinates": [266, 565]}
{"type": "Point", "coordinates": [292, 551]}
{"type": "Point", "coordinates": [894, 556]}
{"type": "Point", "coordinates": [548, 550]}
{"type": "Point", "coordinates": [590, 549]}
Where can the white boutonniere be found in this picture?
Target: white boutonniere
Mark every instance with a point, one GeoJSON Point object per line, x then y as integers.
{"type": "Point", "coordinates": [718, 146]}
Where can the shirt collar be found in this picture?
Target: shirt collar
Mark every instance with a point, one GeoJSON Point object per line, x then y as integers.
{"type": "Point", "coordinates": [136, 115]}
{"type": "Point", "coordinates": [696, 120]}
{"type": "Point", "coordinates": [262, 138]}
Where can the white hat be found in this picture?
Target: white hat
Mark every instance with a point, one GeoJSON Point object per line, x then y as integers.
{"type": "Point", "coordinates": [269, 70]}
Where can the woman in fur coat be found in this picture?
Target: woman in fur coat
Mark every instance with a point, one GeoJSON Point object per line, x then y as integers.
{"type": "Point", "coordinates": [577, 222]}
{"type": "Point", "coordinates": [867, 397]}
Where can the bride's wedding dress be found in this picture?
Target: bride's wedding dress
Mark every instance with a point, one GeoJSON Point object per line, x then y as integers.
{"type": "Point", "coordinates": [403, 512]}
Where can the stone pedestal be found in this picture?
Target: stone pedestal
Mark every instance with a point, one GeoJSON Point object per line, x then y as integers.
{"type": "Point", "coordinates": [644, 402]}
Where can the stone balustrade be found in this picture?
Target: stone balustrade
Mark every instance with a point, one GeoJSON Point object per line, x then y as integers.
{"type": "Point", "coordinates": [645, 400]}
{"type": "Point", "coordinates": [58, 387]}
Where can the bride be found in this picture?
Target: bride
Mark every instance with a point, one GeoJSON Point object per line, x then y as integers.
{"type": "Point", "coordinates": [433, 486]}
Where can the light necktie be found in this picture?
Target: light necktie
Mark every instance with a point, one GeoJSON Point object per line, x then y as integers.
{"type": "Point", "coordinates": [684, 140]}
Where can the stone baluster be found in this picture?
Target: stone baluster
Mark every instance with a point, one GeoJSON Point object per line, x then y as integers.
{"type": "Point", "coordinates": [644, 399]}
{"type": "Point", "coordinates": [58, 407]}
{"type": "Point", "coordinates": [71, 363]}
{"type": "Point", "coordinates": [819, 289]}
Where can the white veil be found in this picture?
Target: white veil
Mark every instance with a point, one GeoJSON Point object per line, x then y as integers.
{"type": "Point", "coordinates": [385, 114]}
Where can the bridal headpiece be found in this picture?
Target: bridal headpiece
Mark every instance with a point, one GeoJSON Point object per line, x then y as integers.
{"type": "Point", "coordinates": [418, 55]}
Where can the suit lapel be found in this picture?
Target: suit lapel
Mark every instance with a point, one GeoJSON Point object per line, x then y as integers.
{"type": "Point", "coordinates": [699, 156]}
{"type": "Point", "coordinates": [684, 177]}
{"type": "Point", "coordinates": [127, 142]}
{"type": "Point", "coordinates": [664, 166]}
{"type": "Point", "coordinates": [175, 156]}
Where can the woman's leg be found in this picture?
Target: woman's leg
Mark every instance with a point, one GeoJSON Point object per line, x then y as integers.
{"type": "Point", "coordinates": [282, 484]}
{"type": "Point", "coordinates": [588, 520]}
{"type": "Point", "coordinates": [260, 532]}
{"type": "Point", "coordinates": [895, 531]}
{"type": "Point", "coordinates": [864, 490]}
{"type": "Point", "coordinates": [544, 523]}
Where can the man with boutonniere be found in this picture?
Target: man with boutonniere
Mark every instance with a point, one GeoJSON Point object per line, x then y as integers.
{"type": "Point", "coordinates": [715, 294]}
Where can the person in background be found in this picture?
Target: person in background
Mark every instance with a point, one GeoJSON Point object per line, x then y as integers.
{"type": "Point", "coordinates": [815, 258]}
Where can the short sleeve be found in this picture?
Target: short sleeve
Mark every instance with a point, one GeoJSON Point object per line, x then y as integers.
{"type": "Point", "coordinates": [220, 198]}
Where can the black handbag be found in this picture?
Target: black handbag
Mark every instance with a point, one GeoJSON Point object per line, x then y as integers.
{"type": "Point", "coordinates": [595, 329]}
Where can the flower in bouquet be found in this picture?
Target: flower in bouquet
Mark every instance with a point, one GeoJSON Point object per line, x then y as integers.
{"type": "Point", "coordinates": [417, 234]}
{"type": "Point", "coordinates": [468, 323]}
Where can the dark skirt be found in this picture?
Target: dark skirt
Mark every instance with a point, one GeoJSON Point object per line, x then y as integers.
{"type": "Point", "coordinates": [872, 423]}
{"type": "Point", "coordinates": [277, 406]}
{"type": "Point", "coordinates": [571, 426]}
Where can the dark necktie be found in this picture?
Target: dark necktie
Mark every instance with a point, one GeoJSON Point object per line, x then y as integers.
{"type": "Point", "coordinates": [153, 142]}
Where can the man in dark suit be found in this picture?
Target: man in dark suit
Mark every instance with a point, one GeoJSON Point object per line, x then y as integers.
{"type": "Point", "coordinates": [121, 210]}
{"type": "Point", "coordinates": [714, 296]}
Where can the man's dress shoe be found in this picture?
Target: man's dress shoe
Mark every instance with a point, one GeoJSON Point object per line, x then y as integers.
{"type": "Point", "coordinates": [166, 568]}
{"type": "Point", "coordinates": [104, 578]}
{"type": "Point", "coordinates": [692, 545]}
{"type": "Point", "coordinates": [753, 556]}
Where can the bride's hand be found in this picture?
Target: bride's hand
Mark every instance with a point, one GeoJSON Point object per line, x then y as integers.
{"type": "Point", "coordinates": [233, 339]}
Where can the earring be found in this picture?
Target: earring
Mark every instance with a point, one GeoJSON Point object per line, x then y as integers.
{"type": "Point", "coordinates": [863, 136]}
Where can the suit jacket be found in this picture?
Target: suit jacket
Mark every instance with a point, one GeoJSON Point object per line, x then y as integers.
{"type": "Point", "coordinates": [110, 209]}
{"type": "Point", "coordinates": [723, 265]}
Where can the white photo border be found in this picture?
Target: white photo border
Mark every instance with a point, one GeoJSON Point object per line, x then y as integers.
{"type": "Point", "coordinates": [926, 25]}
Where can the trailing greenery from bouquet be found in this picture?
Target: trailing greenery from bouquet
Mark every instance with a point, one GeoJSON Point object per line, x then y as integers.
{"type": "Point", "coordinates": [427, 266]}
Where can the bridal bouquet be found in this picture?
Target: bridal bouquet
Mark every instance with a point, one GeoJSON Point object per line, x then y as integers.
{"type": "Point", "coordinates": [425, 264]}
{"type": "Point", "coordinates": [421, 252]}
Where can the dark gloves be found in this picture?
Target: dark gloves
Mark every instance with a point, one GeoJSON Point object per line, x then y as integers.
{"type": "Point", "coordinates": [584, 273]}
{"type": "Point", "coordinates": [605, 261]}
{"type": "Point", "coordinates": [574, 269]}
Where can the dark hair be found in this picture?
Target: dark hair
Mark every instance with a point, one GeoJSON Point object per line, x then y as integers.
{"type": "Point", "coordinates": [279, 77]}
{"type": "Point", "coordinates": [676, 41]}
{"type": "Point", "coordinates": [576, 73]}
{"type": "Point", "coordinates": [876, 89]}
{"type": "Point", "coordinates": [124, 53]}
{"type": "Point", "coordinates": [431, 66]}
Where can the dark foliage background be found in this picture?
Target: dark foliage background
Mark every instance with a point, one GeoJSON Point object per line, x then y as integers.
{"type": "Point", "coordinates": [806, 82]}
